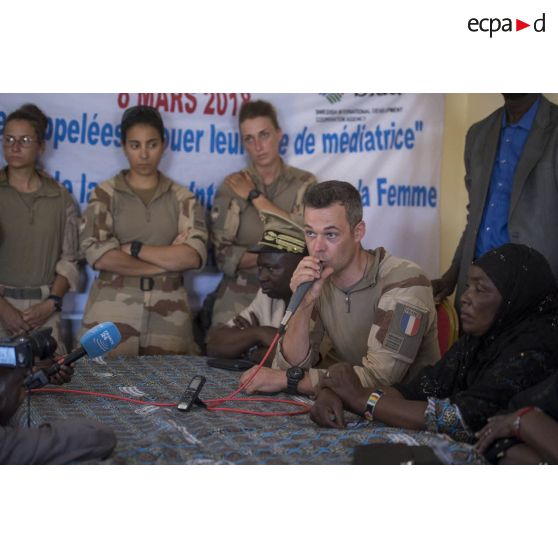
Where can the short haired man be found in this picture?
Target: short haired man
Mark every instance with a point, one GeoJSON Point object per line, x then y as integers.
{"type": "Point", "coordinates": [267, 184]}
{"type": "Point", "coordinates": [377, 310]}
{"type": "Point", "coordinates": [251, 332]}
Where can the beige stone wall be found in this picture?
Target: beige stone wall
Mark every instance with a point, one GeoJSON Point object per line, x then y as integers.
{"type": "Point", "coordinates": [461, 110]}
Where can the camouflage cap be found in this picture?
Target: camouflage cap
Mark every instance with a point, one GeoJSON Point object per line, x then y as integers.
{"type": "Point", "coordinates": [280, 235]}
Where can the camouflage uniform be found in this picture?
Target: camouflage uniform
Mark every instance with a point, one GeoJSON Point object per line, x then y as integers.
{"type": "Point", "coordinates": [152, 313]}
{"type": "Point", "coordinates": [236, 225]}
{"type": "Point", "coordinates": [385, 325]}
{"type": "Point", "coordinates": [38, 240]}
{"type": "Point", "coordinates": [269, 311]}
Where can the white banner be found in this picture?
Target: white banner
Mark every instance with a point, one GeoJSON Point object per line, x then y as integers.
{"type": "Point", "coordinates": [389, 146]}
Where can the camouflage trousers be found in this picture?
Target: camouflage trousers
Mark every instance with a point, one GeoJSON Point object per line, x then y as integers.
{"type": "Point", "coordinates": [55, 321]}
{"type": "Point", "coordinates": [151, 313]}
{"type": "Point", "coordinates": [233, 295]}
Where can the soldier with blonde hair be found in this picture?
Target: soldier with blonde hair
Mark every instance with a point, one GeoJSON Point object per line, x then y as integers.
{"type": "Point", "coordinates": [267, 184]}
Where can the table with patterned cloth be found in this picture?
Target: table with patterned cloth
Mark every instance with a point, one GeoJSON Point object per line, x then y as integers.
{"type": "Point", "coordinates": [164, 435]}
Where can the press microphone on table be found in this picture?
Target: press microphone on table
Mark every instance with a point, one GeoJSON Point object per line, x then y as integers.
{"type": "Point", "coordinates": [96, 342]}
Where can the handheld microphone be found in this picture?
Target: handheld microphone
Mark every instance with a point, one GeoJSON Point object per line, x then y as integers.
{"type": "Point", "coordinates": [94, 343]}
{"type": "Point", "coordinates": [295, 301]}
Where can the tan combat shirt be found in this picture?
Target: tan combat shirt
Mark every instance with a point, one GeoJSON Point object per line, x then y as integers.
{"type": "Point", "coordinates": [367, 326]}
{"type": "Point", "coordinates": [269, 311]}
{"type": "Point", "coordinates": [236, 224]}
{"type": "Point", "coordinates": [116, 215]}
{"type": "Point", "coordinates": [38, 234]}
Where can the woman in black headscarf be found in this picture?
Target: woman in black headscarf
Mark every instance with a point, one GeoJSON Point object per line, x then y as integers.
{"type": "Point", "coordinates": [509, 317]}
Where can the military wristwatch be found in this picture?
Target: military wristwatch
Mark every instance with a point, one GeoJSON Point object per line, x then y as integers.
{"type": "Point", "coordinates": [135, 248]}
{"type": "Point", "coordinates": [57, 302]}
{"type": "Point", "coordinates": [254, 193]}
{"type": "Point", "coordinates": [294, 375]}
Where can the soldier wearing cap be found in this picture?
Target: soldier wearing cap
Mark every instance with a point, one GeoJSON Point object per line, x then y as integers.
{"type": "Point", "coordinates": [251, 331]}
{"type": "Point", "coordinates": [267, 184]}
{"type": "Point", "coordinates": [377, 310]}
{"type": "Point", "coordinates": [141, 230]}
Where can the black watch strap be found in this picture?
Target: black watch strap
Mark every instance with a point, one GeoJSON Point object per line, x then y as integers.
{"type": "Point", "coordinates": [57, 302]}
{"type": "Point", "coordinates": [294, 375]}
{"type": "Point", "coordinates": [135, 248]}
{"type": "Point", "coordinates": [254, 193]}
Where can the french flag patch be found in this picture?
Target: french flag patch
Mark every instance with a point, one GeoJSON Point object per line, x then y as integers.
{"type": "Point", "coordinates": [410, 322]}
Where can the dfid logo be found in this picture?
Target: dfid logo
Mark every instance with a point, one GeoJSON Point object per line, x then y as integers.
{"type": "Point", "coordinates": [494, 24]}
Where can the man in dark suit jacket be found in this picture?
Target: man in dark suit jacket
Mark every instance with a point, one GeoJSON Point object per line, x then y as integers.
{"type": "Point", "coordinates": [511, 163]}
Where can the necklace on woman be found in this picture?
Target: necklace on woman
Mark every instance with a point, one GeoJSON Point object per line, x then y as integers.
{"type": "Point", "coordinates": [27, 196]}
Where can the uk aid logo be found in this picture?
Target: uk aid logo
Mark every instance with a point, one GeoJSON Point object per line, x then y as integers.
{"type": "Point", "coordinates": [493, 25]}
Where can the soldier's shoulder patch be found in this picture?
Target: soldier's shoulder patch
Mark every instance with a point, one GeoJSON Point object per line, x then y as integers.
{"type": "Point", "coordinates": [405, 330]}
{"type": "Point", "coordinates": [410, 321]}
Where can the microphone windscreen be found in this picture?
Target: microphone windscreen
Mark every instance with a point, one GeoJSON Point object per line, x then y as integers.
{"type": "Point", "coordinates": [100, 339]}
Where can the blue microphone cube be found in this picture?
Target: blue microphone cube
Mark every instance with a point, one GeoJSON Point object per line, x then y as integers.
{"type": "Point", "coordinates": [100, 339]}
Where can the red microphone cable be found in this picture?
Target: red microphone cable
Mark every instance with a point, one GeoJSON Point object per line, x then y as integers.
{"type": "Point", "coordinates": [212, 404]}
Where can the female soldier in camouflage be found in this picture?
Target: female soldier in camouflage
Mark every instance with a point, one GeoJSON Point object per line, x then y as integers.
{"type": "Point", "coordinates": [268, 184]}
{"type": "Point", "coordinates": [38, 232]}
{"type": "Point", "coordinates": [141, 230]}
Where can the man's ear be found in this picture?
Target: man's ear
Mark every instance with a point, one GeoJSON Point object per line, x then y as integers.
{"type": "Point", "coordinates": [359, 231]}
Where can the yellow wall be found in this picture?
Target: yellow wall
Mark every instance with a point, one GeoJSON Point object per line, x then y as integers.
{"type": "Point", "coordinates": [461, 110]}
